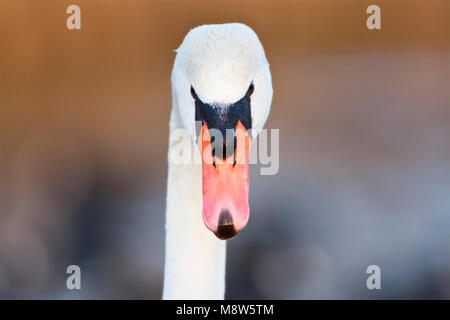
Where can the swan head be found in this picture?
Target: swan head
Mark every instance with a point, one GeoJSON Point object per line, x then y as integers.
{"type": "Point", "coordinates": [222, 88]}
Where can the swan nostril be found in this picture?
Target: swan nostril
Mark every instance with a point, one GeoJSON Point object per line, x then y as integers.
{"type": "Point", "coordinates": [225, 217]}
{"type": "Point", "coordinates": [225, 229]}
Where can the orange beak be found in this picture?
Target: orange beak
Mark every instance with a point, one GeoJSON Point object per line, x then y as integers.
{"type": "Point", "coordinates": [225, 185]}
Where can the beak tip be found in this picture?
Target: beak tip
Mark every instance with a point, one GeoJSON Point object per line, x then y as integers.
{"type": "Point", "coordinates": [226, 232]}
{"type": "Point", "coordinates": [225, 228]}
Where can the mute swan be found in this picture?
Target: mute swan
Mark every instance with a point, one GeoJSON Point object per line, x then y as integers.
{"type": "Point", "coordinates": [220, 77]}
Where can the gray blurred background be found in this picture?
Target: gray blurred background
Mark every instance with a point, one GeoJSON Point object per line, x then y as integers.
{"type": "Point", "coordinates": [364, 119]}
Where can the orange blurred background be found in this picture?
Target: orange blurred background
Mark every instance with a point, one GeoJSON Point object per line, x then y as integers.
{"type": "Point", "coordinates": [364, 119]}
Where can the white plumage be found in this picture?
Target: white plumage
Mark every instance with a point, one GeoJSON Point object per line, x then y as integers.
{"type": "Point", "coordinates": [220, 62]}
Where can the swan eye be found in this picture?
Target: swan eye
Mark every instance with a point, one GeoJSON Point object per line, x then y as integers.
{"type": "Point", "coordinates": [194, 95]}
{"type": "Point", "coordinates": [250, 90]}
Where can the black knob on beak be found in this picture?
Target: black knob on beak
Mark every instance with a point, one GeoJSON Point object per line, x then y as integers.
{"type": "Point", "coordinates": [225, 229]}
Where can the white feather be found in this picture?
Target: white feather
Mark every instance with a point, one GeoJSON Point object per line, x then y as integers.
{"type": "Point", "coordinates": [219, 62]}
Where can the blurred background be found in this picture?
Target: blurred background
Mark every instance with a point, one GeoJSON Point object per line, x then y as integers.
{"type": "Point", "coordinates": [364, 119]}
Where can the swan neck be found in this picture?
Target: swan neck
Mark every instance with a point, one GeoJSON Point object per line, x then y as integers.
{"type": "Point", "coordinates": [195, 258]}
